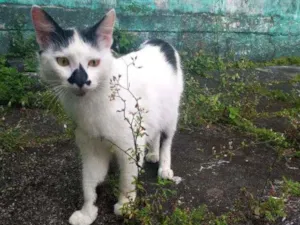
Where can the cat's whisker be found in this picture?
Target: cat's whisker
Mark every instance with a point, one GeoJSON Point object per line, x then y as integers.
{"type": "Point", "coordinates": [59, 91]}
{"type": "Point", "coordinates": [63, 94]}
{"type": "Point", "coordinates": [56, 93]}
{"type": "Point", "coordinates": [50, 103]}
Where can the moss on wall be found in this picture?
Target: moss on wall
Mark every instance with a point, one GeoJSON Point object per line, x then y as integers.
{"type": "Point", "coordinates": [257, 29]}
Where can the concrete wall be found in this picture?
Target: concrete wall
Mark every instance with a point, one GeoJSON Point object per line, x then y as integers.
{"type": "Point", "coordinates": [258, 29]}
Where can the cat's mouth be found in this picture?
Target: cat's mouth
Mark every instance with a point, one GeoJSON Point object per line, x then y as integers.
{"type": "Point", "coordinates": [80, 93]}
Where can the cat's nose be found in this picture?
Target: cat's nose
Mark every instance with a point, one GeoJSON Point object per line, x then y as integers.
{"type": "Point", "coordinates": [79, 77]}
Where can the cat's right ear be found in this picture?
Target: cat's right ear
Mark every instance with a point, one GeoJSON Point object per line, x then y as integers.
{"type": "Point", "coordinates": [44, 26]}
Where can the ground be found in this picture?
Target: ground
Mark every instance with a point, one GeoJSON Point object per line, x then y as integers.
{"type": "Point", "coordinates": [41, 181]}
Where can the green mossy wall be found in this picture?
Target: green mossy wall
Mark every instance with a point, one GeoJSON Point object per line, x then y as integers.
{"type": "Point", "coordinates": [256, 29]}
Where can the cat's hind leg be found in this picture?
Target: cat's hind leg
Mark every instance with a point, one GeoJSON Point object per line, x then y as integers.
{"type": "Point", "coordinates": [153, 150]}
{"type": "Point", "coordinates": [129, 167]}
{"type": "Point", "coordinates": [165, 170]}
{"type": "Point", "coordinates": [95, 163]}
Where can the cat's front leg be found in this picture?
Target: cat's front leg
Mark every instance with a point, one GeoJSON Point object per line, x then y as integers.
{"type": "Point", "coordinates": [95, 162]}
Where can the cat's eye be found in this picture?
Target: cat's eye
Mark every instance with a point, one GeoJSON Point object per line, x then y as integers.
{"type": "Point", "coordinates": [62, 61]}
{"type": "Point", "coordinates": [94, 62]}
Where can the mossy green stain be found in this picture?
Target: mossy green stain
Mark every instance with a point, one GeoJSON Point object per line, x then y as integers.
{"type": "Point", "coordinates": [253, 29]}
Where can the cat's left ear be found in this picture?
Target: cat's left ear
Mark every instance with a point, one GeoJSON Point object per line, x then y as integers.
{"type": "Point", "coordinates": [104, 30]}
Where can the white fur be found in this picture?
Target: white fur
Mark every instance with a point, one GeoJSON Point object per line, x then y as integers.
{"type": "Point", "coordinates": [98, 122]}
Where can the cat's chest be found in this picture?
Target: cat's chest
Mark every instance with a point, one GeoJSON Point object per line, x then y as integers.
{"type": "Point", "coordinates": [99, 120]}
{"type": "Point", "coordinates": [95, 121]}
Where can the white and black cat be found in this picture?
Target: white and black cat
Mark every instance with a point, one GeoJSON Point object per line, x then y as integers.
{"type": "Point", "coordinates": [79, 66]}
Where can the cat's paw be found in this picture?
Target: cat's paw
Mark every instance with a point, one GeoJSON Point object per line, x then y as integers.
{"type": "Point", "coordinates": [166, 173]}
{"type": "Point", "coordinates": [82, 217]}
{"type": "Point", "coordinates": [118, 209]}
{"type": "Point", "coordinates": [121, 209]}
{"type": "Point", "coordinates": [152, 157]}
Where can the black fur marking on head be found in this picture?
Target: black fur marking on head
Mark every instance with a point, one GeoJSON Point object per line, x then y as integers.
{"type": "Point", "coordinates": [89, 35]}
{"type": "Point", "coordinates": [60, 37]}
{"type": "Point", "coordinates": [79, 77]}
{"type": "Point", "coordinates": [167, 50]}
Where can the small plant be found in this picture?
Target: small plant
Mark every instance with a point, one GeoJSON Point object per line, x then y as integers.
{"type": "Point", "coordinates": [16, 88]}
{"type": "Point", "coordinates": [123, 42]}
{"type": "Point", "coordinates": [283, 61]}
{"type": "Point", "coordinates": [195, 97]}
{"type": "Point", "coordinates": [11, 139]}
{"type": "Point", "coordinates": [149, 208]}
{"type": "Point", "coordinates": [187, 216]}
{"type": "Point", "coordinates": [269, 209]}
{"type": "Point", "coordinates": [22, 47]}
{"type": "Point", "coordinates": [291, 187]}
{"type": "Point", "coordinates": [201, 63]}
{"type": "Point", "coordinates": [19, 45]}
{"type": "Point", "coordinates": [135, 119]}
{"type": "Point", "coordinates": [272, 209]}
{"type": "Point", "coordinates": [234, 99]}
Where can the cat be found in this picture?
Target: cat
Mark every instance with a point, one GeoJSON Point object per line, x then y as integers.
{"type": "Point", "coordinates": [100, 91]}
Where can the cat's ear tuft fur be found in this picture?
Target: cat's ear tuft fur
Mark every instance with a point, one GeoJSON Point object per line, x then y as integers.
{"type": "Point", "coordinates": [104, 32]}
{"type": "Point", "coordinates": [44, 26]}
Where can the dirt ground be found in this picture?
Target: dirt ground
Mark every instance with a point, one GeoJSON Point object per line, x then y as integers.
{"type": "Point", "coordinates": [41, 183]}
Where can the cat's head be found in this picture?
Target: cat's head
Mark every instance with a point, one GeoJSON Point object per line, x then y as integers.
{"type": "Point", "coordinates": [71, 59]}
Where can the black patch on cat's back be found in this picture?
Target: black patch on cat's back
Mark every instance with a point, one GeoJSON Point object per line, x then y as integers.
{"type": "Point", "coordinates": [167, 50]}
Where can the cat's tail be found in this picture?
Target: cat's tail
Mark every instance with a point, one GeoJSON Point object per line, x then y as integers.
{"type": "Point", "coordinates": [179, 72]}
